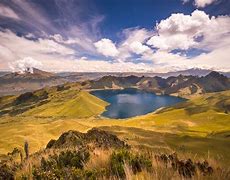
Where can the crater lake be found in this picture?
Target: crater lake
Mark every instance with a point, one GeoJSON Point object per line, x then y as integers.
{"type": "Point", "coordinates": [131, 102]}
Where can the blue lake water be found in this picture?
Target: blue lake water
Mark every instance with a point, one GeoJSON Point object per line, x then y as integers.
{"type": "Point", "coordinates": [132, 102]}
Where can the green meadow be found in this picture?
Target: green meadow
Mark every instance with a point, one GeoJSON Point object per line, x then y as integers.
{"type": "Point", "coordinates": [199, 126]}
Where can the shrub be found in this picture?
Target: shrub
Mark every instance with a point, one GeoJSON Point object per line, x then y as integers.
{"type": "Point", "coordinates": [136, 162]}
{"type": "Point", "coordinates": [28, 96]}
{"type": "Point", "coordinates": [64, 165]}
{"type": "Point", "coordinates": [85, 174]}
{"type": "Point", "coordinates": [6, 172]}
{"type": "Point", "coordinates": [73, 159]}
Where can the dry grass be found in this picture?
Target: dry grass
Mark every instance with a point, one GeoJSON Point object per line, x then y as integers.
{"type": "Point", "coordinates": [100, 159]}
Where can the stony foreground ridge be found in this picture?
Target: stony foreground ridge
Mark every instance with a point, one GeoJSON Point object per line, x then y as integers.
{"type": "Point", "coordinates": [94, 136]}
{"type": "Point", "coordinates": [73, 158]}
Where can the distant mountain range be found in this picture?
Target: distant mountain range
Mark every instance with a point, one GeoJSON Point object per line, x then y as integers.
{"type": "Point", "coordinates": [34, 74]}
{"type": "Point", "coordinates": [2, 73]}
{"type": "Point", "coordinates": [174, 85]}
{"type": "Point", "coordinates": [16, 83]}
{"type": "Point", "coordinates": [95, 75]}
{"type": "Point", "coordinates": [177, 83]}
{"type": "Point", "coordinates": [192, 72]}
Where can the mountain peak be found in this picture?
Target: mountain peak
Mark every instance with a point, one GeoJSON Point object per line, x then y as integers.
{"type": "Point", "coordinates": [42, 73]}
{"type": "Point", "coordinates": [29, 73]}
{"type": "Point", "coordinates": [214, 74]}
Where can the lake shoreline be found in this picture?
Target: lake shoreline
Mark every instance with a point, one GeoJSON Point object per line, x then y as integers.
{"type": "Point", "coordinates": [132, 102]}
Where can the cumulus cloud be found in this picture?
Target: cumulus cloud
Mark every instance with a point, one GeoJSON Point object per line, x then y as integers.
{"type": "Point", "coordinates": [106, 47]}
{"type": "Point", "coordinates": [8, 12]}
{"type": "Point", "coordinates": [165, 61]}
{"type": "Point", "coordinates": [200, 3]}
{"type": "Point", "coordinates": [25, 64]}
{"type": "Point", "coordinates": [196, 31]}
{"type": "Point", "coordinates": [177, 41]}
{"type": "Point", "coordinates": [138, 47]}
{"type": "Point", "coordinates": [136, 35]}
{"type": "Point", "coordinates": [133, 43]}
{"type": "Point", "coordinates": [203, 3]}
{"type": "Point", "coordinates": [181, 31]}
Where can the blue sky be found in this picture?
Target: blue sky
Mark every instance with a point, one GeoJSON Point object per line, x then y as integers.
{"type": "Point", "coordinates": [114, 35]}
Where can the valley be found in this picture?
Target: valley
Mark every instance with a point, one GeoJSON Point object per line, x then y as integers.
{"type": "Point", "coordinates": [198, 127]}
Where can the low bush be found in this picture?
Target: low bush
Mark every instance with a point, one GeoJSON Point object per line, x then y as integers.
{"type": "Point", "coordinates": [135, 161]}
{"type": "Point", "coordinates": [62, 165]}
{"type": "Point", "coordinates": [6, 172]}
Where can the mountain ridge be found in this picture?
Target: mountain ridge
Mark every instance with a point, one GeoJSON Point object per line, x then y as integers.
{"type": "Point", "coordinates": [174, 85]}
{"type": "Point", "coordinates": [34, 79]}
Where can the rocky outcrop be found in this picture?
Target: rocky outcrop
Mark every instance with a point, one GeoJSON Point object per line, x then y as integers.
{"type": "Point", "coordinates": [94, 137]}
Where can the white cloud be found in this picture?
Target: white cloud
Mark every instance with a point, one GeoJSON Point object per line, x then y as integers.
{"type": "Point", "coordinates": [105, 66]}
{"type": "Point", "coordinates": [136, 35]}
{"type": "Point", "coordinates": [25, 64]}
{"type": "Point", "coordinates": [203, 3]}
{"type": "Point", "coordinates": [8, 12]}
{"type": "Point", "coordinates": [14, 47]}
{"type": "Point", "coordinates": [179, 23]}
{"type": "Point", "coordinates": [83, 42]}
{"type": "Point", "coordinates": [200, 3]}
{"type": "Point", "coordinates": [49, 46]}
{"type": "Point", "coordinates": [181, 31]}
{"type": "Point", "coordinates": [138, 47]}
{"type": "Point", "coordinates": [22, 46]}
{"type": "Point", "coordinates": [106, 47]}
{"type": "Point", "coordinates": [216, 34]}
{"type": "Point", "coordinates": [185, 1]}
{"type": "Point", "coordinates": [57, 38]}
{"type": "Point", "coordinates": [164, 61]}
{"type": "Point", "coordinates": [176, 41]}
{"type": "Point", "coordinates": [30, 35]}
{"type": "Point", "coordinates": [133, 42]}
{"type": "Point", "coordinates": [69, 27]}
{"type": "Point", "coordinates": [19, 53]}
{"type": "Point", "coordinates": [56, 52]}
{"type": "Point", "coordinates": [199, 31]}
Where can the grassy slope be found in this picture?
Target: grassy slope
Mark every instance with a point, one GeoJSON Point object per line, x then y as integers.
{"type": "Point", "coordinates": [79, 106]}
{"type": "Point", "coordinates": [200, 125]}
{"type": "Point", "coordinates": [70, 102]}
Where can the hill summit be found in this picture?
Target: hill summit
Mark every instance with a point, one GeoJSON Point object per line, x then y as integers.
{"type": "Point", "coordinates": [30, 73]}
{"type": "Point", "coordinates": [95, 136]}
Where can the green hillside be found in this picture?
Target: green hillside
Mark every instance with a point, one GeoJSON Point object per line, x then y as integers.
{"type": "Point", "coordinates": [61, 101]}
{"type": "Point", "coordinates": [81, 105]}
{"type": "Point", "coordinates": [204, 118]}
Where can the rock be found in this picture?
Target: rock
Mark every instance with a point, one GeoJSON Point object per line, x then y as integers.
{"type": "Point", "coordinates": [94, 137]}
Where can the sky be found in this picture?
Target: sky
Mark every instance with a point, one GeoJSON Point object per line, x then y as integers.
{"type": "Point", "coordinates": [114, 35]}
